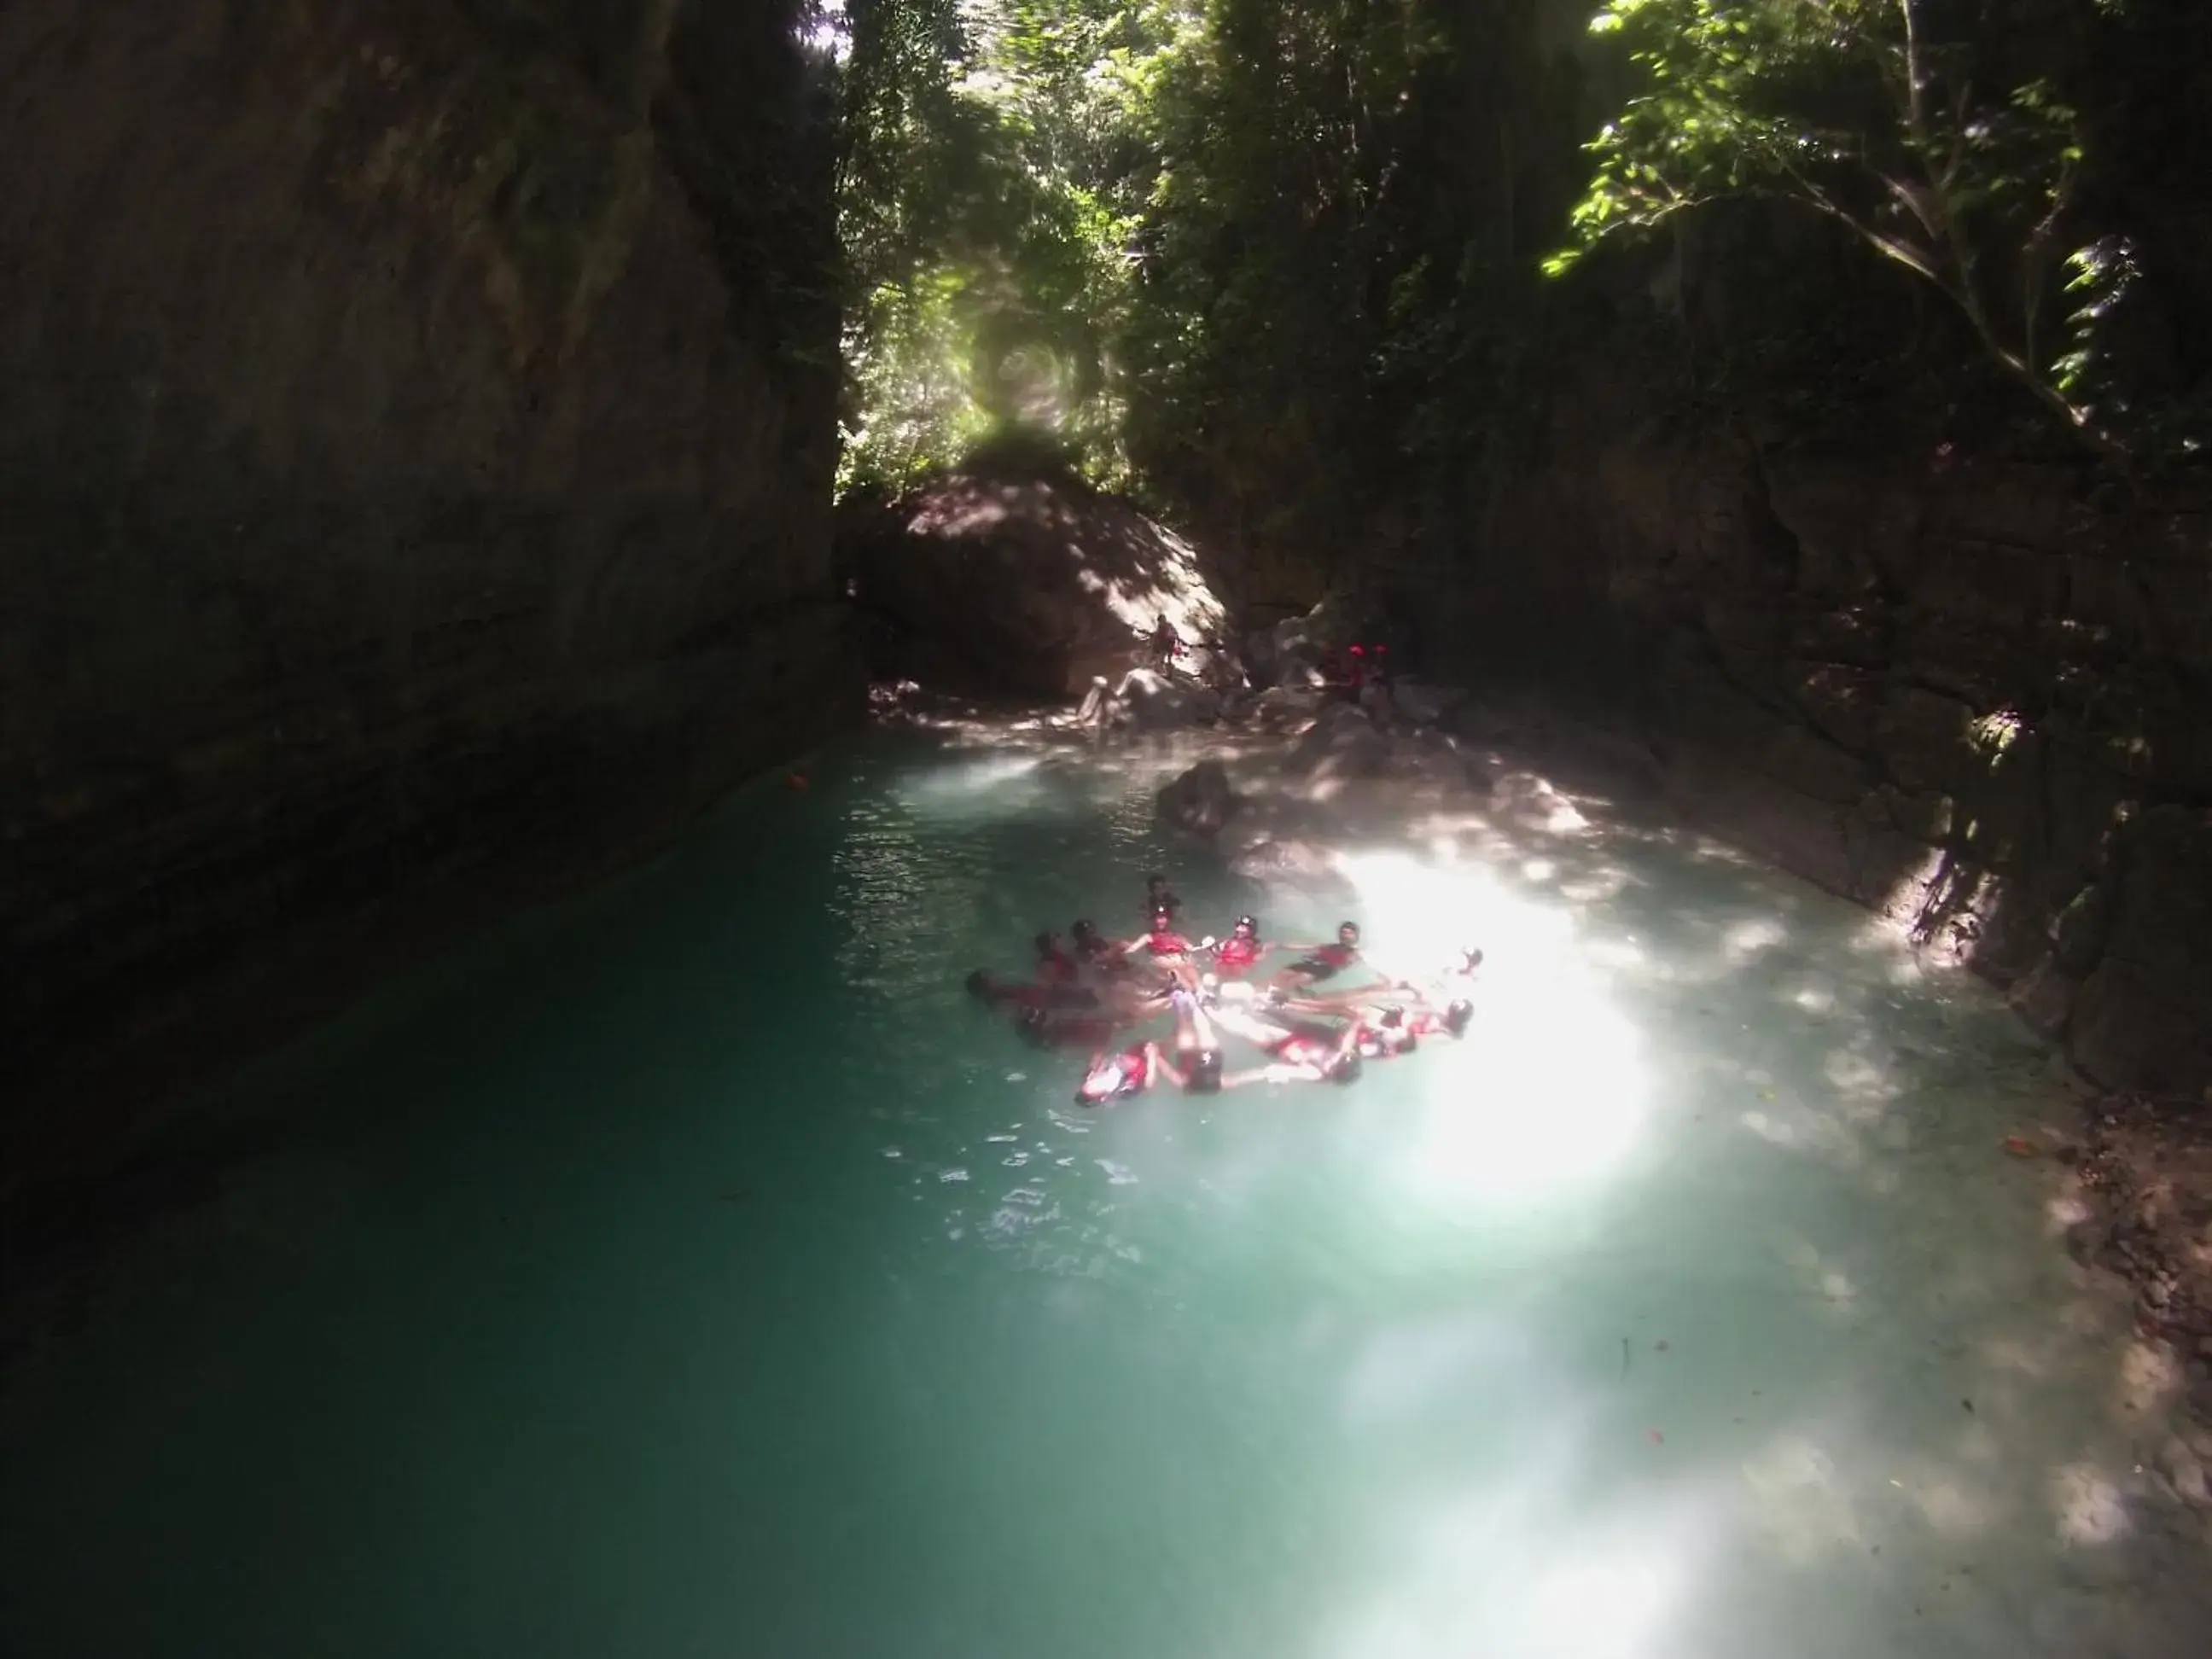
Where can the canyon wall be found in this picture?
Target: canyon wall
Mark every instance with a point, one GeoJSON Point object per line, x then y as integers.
{"type": "Point", "coordinates": [416, 460]}
{"type": "Point", "coordinates": [1977, 697]}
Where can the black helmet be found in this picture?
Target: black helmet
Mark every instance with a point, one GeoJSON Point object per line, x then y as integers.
{"type": "Point", "coordinates": [1345, 1067]}
{"type": "Point", "coordinates": [1457, 1016]}
{"type": "Point", "coordinates": [1205, 1072]}
{"type": "Point", "coordinates": [1083, 929]}
{"type": "Point", "coordinates": [1247, 923]}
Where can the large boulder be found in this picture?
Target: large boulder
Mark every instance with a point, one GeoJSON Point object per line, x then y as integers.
{"type": "Point", "coordinates": [1341, 744]}
{"type": "Point", "coordinates": [1280, 708]}
{"type": "Point", "coordinates": [1201, 800]}
{"type": "Point", "coordinates": [1154, 702]}
{"type": "Point", "coordinates": [1021, 584]}
{"type": "Point", "coordinates": [1422, 704]}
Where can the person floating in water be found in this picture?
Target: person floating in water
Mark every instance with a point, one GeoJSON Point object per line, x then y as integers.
{"type": "Point", "coordinates": [1240, 952]}
{"type": "Point", "coordinates": [1296, 1053]}
{"type": "Point", "coordinates": [1057, 984]}
{"type": "Point", "coordinates": [1120, 1076]}
{"type": "Point", "coordinates": [1168, 950]}
{"type": "Point", "coordinates": [1446, 1003]}
{"type": "Point", "coordinates": [1159, 895]}
{"type": "Point", "coordinates": [1196, 1069]}
{"type": "Point", "coordinates": [1115, 1004]}
{"type": "Point", "coordinates": [1318, 963]}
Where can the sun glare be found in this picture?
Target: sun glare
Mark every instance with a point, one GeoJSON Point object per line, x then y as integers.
{"type": "Point", "coordinates": [1549, 1090]}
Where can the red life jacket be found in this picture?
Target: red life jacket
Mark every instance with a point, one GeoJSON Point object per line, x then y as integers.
{"type": "Point", "coordinates": [1235, 952]}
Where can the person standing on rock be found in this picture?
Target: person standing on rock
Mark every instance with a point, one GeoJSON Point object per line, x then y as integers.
{"type": "Point", "coordinates": [1374, 690]}
{"type": "Point", "coordinates": [1165, 646]}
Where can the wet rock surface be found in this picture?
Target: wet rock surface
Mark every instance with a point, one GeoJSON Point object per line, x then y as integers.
{"type": "Point", "coordinates": [1973, 697]}
{"type": "Point", "coordinates": [1201, 800]}
{"type": "Point", "coordinates": [409, 510]}
{"type": "Point", "coordinates": [1023, 585]}
{"type": "Point", "coordinates": [2145, 1167]}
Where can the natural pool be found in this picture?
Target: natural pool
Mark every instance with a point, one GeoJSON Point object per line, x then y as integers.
{"type": "Point", "coordinates": [695, 1270]}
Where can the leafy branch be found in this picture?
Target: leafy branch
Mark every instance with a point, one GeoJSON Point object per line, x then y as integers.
{"type": "Point", "coordinates": [1855, 110]}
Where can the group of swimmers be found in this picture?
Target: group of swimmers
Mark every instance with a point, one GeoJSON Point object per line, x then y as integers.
{"type": "Point", "coordinates": [1091, 991]}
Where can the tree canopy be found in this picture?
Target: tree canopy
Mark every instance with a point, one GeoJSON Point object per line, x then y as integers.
{"type": "Point", "coordinates": [1284, 262]}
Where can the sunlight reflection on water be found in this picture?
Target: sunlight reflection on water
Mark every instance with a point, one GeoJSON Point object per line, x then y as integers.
{"type": "Point", "coordinates": [1551, 1090]}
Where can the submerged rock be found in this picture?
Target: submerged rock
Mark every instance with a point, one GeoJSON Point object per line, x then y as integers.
{"type": "Point", "coordinates": [1276, 858]}
{"type": "Point", "coordinates": [1201, 800]}
{"type": "Point", "coordinates": [1424, 705]}
{"type": "Point", "coordinates": [1341, 744]}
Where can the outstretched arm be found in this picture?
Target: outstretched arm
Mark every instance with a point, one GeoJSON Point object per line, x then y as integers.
{"type": "Point", "coordinates": [1156, 1058]}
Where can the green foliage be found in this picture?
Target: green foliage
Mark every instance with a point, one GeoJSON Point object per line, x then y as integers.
{"type": "Point", "coordinates": [1927, 128]}
{"type": "Point", "coordinates": [1279, 263]}
{"type": "Point", "coordinates": [986, 248]}
{"type": "Point", "coordinates": [1260, 259]}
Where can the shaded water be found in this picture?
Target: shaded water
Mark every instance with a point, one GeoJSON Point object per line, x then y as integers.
{"type": "Point", "coordinates": [694, 1270]}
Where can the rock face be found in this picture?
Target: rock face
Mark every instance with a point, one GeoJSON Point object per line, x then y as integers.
{"type": "Point", "coordinates": [1342, 745]}
{"type": "Point", "coordinates": [1962, 694]}
{"type": "Point", "coordinates": [1019, 584]}
{"type": "Point", "coordinates": [416, 468]}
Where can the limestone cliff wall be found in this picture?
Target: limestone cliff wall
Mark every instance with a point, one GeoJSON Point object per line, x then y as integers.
{"type": "Point", "coordinates": [1977, 696]}
{"type": "Point", "coordinates": [415, 442]}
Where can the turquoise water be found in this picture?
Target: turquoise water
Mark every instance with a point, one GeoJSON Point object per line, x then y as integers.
{"type": "Point", "coordinates": [694, 1270]}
